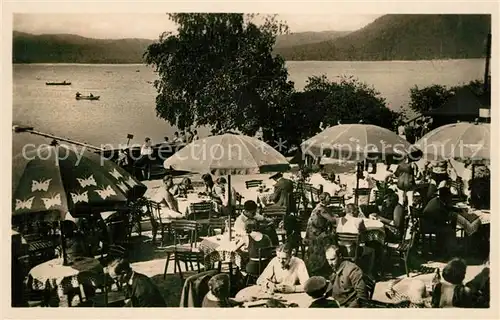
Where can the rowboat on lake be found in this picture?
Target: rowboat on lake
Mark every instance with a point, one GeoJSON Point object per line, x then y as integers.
{"type": "Point", "coordinates": [87, 97]}
{"type": "Point", "coordinates": [64, 83]}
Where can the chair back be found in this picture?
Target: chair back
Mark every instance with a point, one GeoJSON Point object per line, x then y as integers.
{"type": "Point", "coordinates": [345, 238]}
{"type": "Point", "coordinates": [363, 194]}
{"type": "Point", "coordinates": [185, 230]}
{"type": "Point", "coordinates": [253, 183]}
{"type": "Point", "coordinates": [335, 210]}
{"type": "Point", "coordinates": [216, 223]}
{"type": "Point", "coordinates": [276, 213]}
{"type": "Point", "coordinates": [338, 201]}
{"type": "Point", "coordinates": [200, 210]}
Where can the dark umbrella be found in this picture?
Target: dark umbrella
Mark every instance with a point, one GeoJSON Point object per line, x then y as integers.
{"type": "Point", "coordinates": [57, 181]}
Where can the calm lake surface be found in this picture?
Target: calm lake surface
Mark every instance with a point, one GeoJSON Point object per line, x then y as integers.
{"type": "Point", "coordinates": [127, 103]}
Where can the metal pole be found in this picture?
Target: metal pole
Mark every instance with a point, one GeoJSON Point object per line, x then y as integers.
{"type": "Point", "coordinates": [229, 204]}
{"type": "Point", "coordinates": [21, 129]}
{"type": "Point", "coordinates": [487, 65]}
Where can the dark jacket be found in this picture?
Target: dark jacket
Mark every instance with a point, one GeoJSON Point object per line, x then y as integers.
{"type": "Point", "coordinates": [195, 288]}
{"type": "Point", "coordinates": [283, 194]}
{"type": "Point", "coordinates": [347, 285]}
{"type": "Point", "coordinates": [144, 293]}
{"type": "Point", "coordinates": [324, 303]}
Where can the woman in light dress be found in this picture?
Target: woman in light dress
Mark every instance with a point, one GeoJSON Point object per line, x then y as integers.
{"type": "Point", "coordinates": [169, 205]}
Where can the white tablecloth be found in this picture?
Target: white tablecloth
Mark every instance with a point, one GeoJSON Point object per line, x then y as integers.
{"type": "Point", "coordinates": [301, 298]}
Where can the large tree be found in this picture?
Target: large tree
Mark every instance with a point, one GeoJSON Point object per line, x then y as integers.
{"type": "Point", "coordinates": [218, 70]}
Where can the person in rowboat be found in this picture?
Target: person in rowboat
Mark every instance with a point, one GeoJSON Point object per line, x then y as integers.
{"type": "Point", "coordinates": [78, 94]}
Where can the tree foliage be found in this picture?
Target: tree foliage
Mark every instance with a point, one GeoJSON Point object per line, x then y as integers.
{"type": "Point", "coordinates": [218, 70]}
{"type": "Point", "coordinates": [432, 97]}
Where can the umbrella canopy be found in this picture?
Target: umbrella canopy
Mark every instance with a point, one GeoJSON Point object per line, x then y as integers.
{"type": "Point", "coordinates": [355, 142]}
{"type": "Point", "coordinates": [57, 180]}
{"type": "Point", "coordinates": [228, 154]}
{"type": "Point", "coordinates": [462, 141]}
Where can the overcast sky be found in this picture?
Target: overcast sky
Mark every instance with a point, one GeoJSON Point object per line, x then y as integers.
{"type": "Point", "coordinates": [150, 26]}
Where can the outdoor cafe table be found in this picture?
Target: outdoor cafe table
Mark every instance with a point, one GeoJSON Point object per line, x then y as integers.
{"type": "Point", "coordinates": [471, 219]}
{"type": "Point", "coordinates": [219, 248]}
{"type": "Point", "coordinates": [262, 197]}
{"type": "Point", "coordinates": [184, 204]}
{"type": "Point", "coordinates": [256, 292]}
{"type": "Point", "coordinates": [53, 275]}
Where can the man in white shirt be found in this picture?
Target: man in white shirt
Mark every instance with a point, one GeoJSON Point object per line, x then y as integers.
{"type": "Point", "coordinates": [284, 273]}
{"type": "Point", "coordinates": [249, 213]}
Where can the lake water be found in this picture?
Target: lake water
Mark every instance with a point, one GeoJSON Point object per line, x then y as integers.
{"type": "Point", "coordinates": [127, 103]}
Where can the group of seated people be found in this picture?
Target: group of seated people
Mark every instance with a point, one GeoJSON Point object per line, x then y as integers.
{"type": "Point", "coordinates": [344, 287]}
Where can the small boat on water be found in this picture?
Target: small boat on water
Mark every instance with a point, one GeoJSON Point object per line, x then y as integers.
{"type": "Point", "coordinates": [64, 83]}
{"type": "Point", "coordinates": [87, 97]}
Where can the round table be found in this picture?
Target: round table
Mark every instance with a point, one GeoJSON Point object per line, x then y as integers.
{"type": "Point", "coordinates": [255, 292]}
{"type": "Point", "coordinates": [53, 274]}
{"type": "Point", "coordinates": [219, 249]}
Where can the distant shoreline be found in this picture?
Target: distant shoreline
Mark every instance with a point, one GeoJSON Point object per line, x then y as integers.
{"type": "Point", "coordinates": [142, 64]}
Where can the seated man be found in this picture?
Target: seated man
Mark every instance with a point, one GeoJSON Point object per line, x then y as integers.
{"type": "Point", "coordinates": [218, 296]}
{"type": "Point", "coordinates": [140, 290]}
{"type": "Point", "coordinates": [316, 288]}
{"type": "Point", "coordinates": [284, 273]}
{"type": "Point", "coordinates": [249, 214]}
{"type": "Point", "coordinates": [347, 284]}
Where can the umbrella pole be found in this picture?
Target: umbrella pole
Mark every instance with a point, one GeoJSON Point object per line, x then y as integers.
{"type": "Point", "coordinates": [229, 204]}
{"type": "Point", "coordinates": [357, 184]}
{"type": "Point", "coordinates": [63, 244]}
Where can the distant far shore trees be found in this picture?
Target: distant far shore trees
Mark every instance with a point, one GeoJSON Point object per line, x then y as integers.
{"type": "Point", "coordinates": [219, 70]}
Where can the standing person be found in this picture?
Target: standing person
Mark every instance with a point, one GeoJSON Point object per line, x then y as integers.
{"type": "Point", "coordinates": [283, 193]}
{"type": "Point", "coordinates": [406, 173]}
{"type": "Point", "coordinates": [195, 135]}
{"type": "Point", "coordinates": [146, 158]}
{"type": "Point", "coordinates": [321, 219]}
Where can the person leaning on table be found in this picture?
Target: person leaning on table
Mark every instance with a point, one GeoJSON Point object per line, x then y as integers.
{"type": "Point", "coordinates": [249, 214]}
{"type": "Point", "coordinates": [140, 290]}
{"type": "Point", "coordinates": [284, 273]}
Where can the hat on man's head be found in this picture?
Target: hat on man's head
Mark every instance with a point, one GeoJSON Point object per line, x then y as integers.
{"type": "Point", "coordinates": [276, 175]}
{"type": "Point", "coordinates": [315, 286]}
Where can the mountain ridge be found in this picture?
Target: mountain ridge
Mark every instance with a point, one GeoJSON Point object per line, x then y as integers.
{"type": "Point", "coordinates": [390, 37]}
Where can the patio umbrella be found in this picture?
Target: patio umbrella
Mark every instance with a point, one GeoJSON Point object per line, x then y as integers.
{"type": "Point", "coordinates": [57, 180]}
{"type": "Point", "coordinates": [355, 142]}
{"type": "Point", "coordinates": [228, 154]}
{"type": "Point", "coordinates": [463, 141]}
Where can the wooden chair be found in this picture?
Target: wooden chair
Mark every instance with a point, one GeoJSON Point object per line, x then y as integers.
{"type": "Point", "coordinates": [184, 231]}
{"type": "Point", "coordinates": [425, 235]}
{"type": "Point", "coordinates": [215, 224]}
{"type": "Point", "coordinates": [163, 225]}
{"type": "Point", "coordinates": [253, 183]}
{"type": "Point", "coordinates": [362, 193]}
{"type": "Point", "coordinates": [269, 252]}
{"type": "Point", "coordinates": [276, 213]}
{"type": "Point", "coordinates": [353, 238]}
{"type": "Point", "coordinates": [201, 210]}
{"type": "Point", "coordinates": [313, 192]}
{"type": "Point", "coordinates": [403, 248]}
